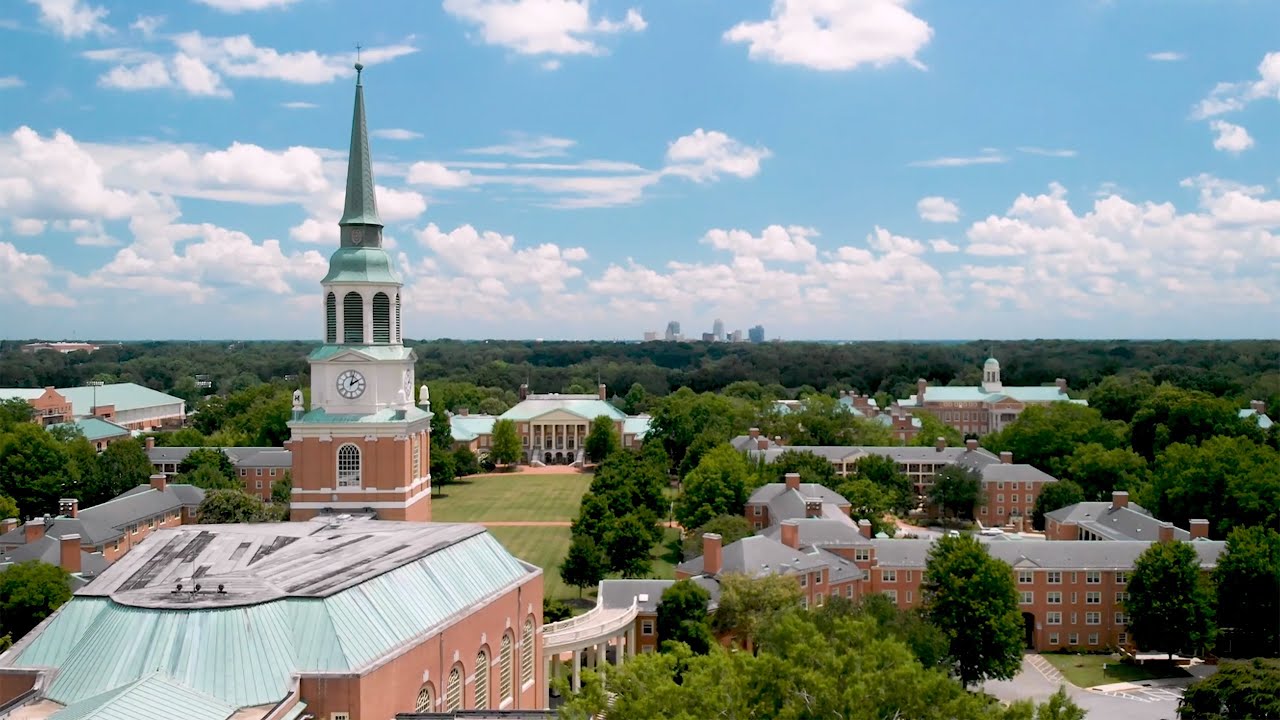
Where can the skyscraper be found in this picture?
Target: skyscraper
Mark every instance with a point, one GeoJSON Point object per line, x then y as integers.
{"type": "Point", "coordinates": [717, 329]}
{"type": "Point", "coordinates": [756, 334]}
{"type": "Point", "coordinates": [673, 331]}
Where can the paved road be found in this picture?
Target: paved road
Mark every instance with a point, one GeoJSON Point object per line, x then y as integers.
{"type": "Point", "coordinates": [1147, 704]}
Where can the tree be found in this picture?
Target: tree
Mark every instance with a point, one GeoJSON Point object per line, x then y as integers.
{"type": "Point", "coordinates": [679, 418]}
{"type": "Point", "coordinates": [595, 518]}
{"type": "Point", "coordinates": [585, 565]}
{"type": "Point", "coordinates": [718, 486]}
{"type": "Point", "coordinates": [931, 428]}
{"type": "Point", "coordinates": [957, 490]}
{"type": "Point", "coordinates": [1053, 496]}
{"type": "Point", "coordinates": [626, 483]}
{"type": "Point", "coordinates": [441, 428]}
{"type": "Point", "coordinates": [1240, 689]}
{"type": "Point", "coordinates": [730, 528]}
{"type": "Point", "coordinates": [813, 468]}
{"type": "Point", "coordinates": [682, 616]}
{"type": "Point", "coordinates": [29, 593]}
{"type": "Point", "coordinates": [506, 443]}
{"type": "Point", "coordinates": [1099, 471]}
{"type": "Point", "coordinates": [1173, 415]}
{"type": "Point", "coordinates": [233, 506]}
{"type": "Point", "coordinates": [747, 604]}
{"type": "Point", "coordinates": [34, 468]}
{"type": "Point", "coordinates": [282, 490]}
{"type": "Point", "coordinates": [122, 466]}
{"type": "Point", "coordinates": [213, 457]}
{"type": "Point", "coordinates": [1230, 481]}
{"type": "Point", "coordinates": [970, 596]}
{"type": "Point", "coordinates": [14, 411]}
{"type": "Point", "coordinates": [1043, 435]}
{"type": "Point", "coordinates": [554, 610]}
{"type": "Point", "coordinates": [465, 462]}
{"type": "Point", "coordinates": [1247, 584]}
{"type": "Point", "coordinates": [628, 545]}
{"type": "Point", "coordinates": [636, 400]}
{"type": "Point", "coordinates": [1169, 605]}
{"type": "Point", "coordinates": [442, 468]}
{"type": "Point", "coordinates": [883, 472]}
{"type": "Point", "coordinates": [208, 477]}
{"type": "Point", "coordinates": [927, 642]}
{"type": "Point", "coordinates": [602, 439]}
{"type": "Point", "coordinates": [1118, 397]}
{"type": "Point", "coordinates": [8, 508]}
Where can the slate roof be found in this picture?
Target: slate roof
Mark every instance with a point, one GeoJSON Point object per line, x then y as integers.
{"type": "Point", "coordinates": [1060, 555]}
{"type": "Point", "coordinates": [902, 454]}
{"type": "Point", "coordinates": [746, 443]}
{"type": "Point", "coordinates": [758, 555]}
{"type": "Point", "coordinates": [239, 456]}
{"type": "Point", "coordinates": [1131, 522]}
{"type": "Point", "coordinates": [587, 407]}
{"type": "Point", "coordinates": [101, 523]}
{"type": "Point", "coordinates": [48, 549]}
{"type": "Point", "coordinates": [619, 594]}
{"type": "Point", "coordinates": [771, 491]}
{"type": "Point", "coordinates": [822, 532]}
{"type": "Point", "coordinates": [1014, 472]}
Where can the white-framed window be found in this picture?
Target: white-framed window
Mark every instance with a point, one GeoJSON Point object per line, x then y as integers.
{"type": "Point", "coordinates": [848, 590]}
{"type": "Point", "coordinates": [151, 524]}
{"type": "Point", "coordinates": [1053, 597]}
{"type": "Point", "coordinates": [646, 627]}
{"type": "Point", "coordinates": [983, 509]}
{"type": "Point", "coordinates": [505, 678]}
{"type": "Point", "coordinates": [1053, 618]}
{"type": "Point", "coordinates": [1093, 598]}
{"type": "Point", "coordinates": [756, 525]}
{"type": "Point", "coordinates": [453, 691]}
{"type": "Point", "coordinates": [755, 510]}
{"type": "Point", "coordinates": [1122, 639]}
{"type": "Point", "coordinates": [1122, 577]}
{"type": "Point", "coordinates": [417, 457]}
{"type": "Point", "coordinates": [1075, 578]}
{"type": "Point", "coordinates": [257, 484]}
{"type": "Point", "coordinates": [1000, 510]}
{"type": "Point", "coordinates": [272, 472]}
{"type": "Point", "coordinates": [257, 471]}
{"type": "Point", "coordinates": [1000, 497]}
{"type": "Point", "coordinates": [1073, 639]}
{"type": "Point", "coordinates": [817, 599]}
{"type": "Point", "coordinates": [909, 578]}
{"type": "Point", "coordinates": [888, 576]}
{"type": "Point", "coordinates": [1053, 577]}
{"type": "Point", "coordinates": [1075, 598]}
{"type": "Point", "coordinates": [804, 579]}
{"type": "Point", "coordinates": [244, 472]}
{"type": "Point", "coordinates": [1074, 619]}
{"type": "Point", "coordinates": [482, 680]}
{"type": "Point", "coordinates": [1025, 577]}
{"type": "Point", "coordinates": [862, 555]}
{"type": "Point", "coordinates": [1092, 577]}
{"type": "Point", "coordinates": [1122, 597]}
{"type": "Point", "coordinates": [133, 529]}
{"type": "Point", "coordinates": [1093, 617]}
{"type": "Point", "coordinates": [1093, 638]}
{"type": "Point", "coordinates": [526, 653]}
{"type": "Point", "coordinates": [909, 597]}
{"type": "Point", "coordinates": [1026, 597]}
{"type": "Point", "coordinates": [892, 595]}
{"type": "Point", "coordinates": [1000, 485]}
{"type": "Point", "coordinates": [1053, 638]}
{"type": "Point", "coordinates": [804, 602]}
{"type": "Point", "coordinates": [1013, 499]}
{"type": "Point", "coordinates": [1120, 618]}
{"type": "Point", "coordinates": [426, 698]}
{"type": "Point", "coordinates": [348, 466]}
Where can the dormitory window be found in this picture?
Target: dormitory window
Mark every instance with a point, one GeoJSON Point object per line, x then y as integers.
{"type": "Point", "coordinates": [892, 595]}
{"type": "Point", "coordinates": [482, 680]}
{"type": "Point", "coordinates": [1122, 639]}
{"type": "Point", "coordinates": [1122, 577]}
{"type": "Point", "coordinates": [1093, 638]}
{"type": "Point", "coordinates": [1024, 577]}
{"type": "Point", "coordinates": [1053, 618]}
{"type": "Point", "coordinates": [755, 510]}
{"type": "Point", "coordinates": [526, 653]}
{"type": "Point", "coordinates": [862, 555]}
{"type": "Point", "coordinates": [273, 472]}
{"type": "Point", "coordinates": [1093, 618]}
{"type": "Point", "coordinates": [1053, 598]}
{"type": "Point", "coordinates": [1013, 499]}
{"type": "Point", "coordinates": [1053, 577]}
{"type": "Point", "coordinates": [258, 472]}
{"type": "Point", "coordinates": [1122, 597]}
{"type": "Point", "coordinates": [1073, 639]}
{"type": "Point", "coordinates": [258, 484]}
{"type": "Point", "coordinates": [1093, 598]}
{"type": "Point", "coordinates": [1120, 619]}
{"type": "Point", "coordinates": [348, 466]}
{"type": "Point", "coordinates": [453, 691]}
{"type": "Point", "coordinates": [1092, 577]}
{"type": "Point", "coordinates": [504, 669]}
{"type": "Point", "coordinates": [425, 698]}
{"type": "Point", "coordinates": [888, 576]}
{"type": "Point", "coordinates": [1027, 598]}
{"type": "Point", "coordinates": [646, 627]}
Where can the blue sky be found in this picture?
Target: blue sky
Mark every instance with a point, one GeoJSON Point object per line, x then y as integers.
{"type": "Point", "coordinates": [859, 169]}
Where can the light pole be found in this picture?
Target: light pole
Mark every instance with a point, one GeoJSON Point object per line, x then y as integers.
{"type": "Point", "coordinates": [95, 384]}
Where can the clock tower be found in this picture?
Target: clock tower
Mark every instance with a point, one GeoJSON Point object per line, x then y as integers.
{"type": "Point", "coordinates": [362, 445]}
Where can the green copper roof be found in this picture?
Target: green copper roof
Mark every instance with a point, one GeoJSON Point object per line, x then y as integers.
{"type": "Point", "coordinates": [361, 265]}
{"type": "Point", "coordinates": [154, 697]}
{"type": "Point", "coordinates": [373, 352]}
{"type": "Point", "coordinates": [385, 415]}
{"type": "Point", "coordinates": [361, 207]}
{"type": "Point", "coordinates": [94, 428]}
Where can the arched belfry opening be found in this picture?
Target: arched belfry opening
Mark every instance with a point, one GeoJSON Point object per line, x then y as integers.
{"type": "Point", "coordinates": [353, 319]}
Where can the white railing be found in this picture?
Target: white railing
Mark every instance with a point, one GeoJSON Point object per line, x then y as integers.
{"type": "Point", "coordinates": [597, 623]}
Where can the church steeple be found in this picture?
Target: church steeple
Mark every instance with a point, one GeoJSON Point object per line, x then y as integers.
{"type": "Point", "coordinates": [360, 225]}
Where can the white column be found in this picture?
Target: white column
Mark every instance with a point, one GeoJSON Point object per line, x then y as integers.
{"type": "Point", "coordinates": [631, 640]}
{"type": "Point", "coordinates": [367, 299]}
{"type": "Point", "coordinates": [576, 684]}
{"type": "Point", "coordinates": [619, 651]}
{"type": "Point", "coordinates": [546, 679]}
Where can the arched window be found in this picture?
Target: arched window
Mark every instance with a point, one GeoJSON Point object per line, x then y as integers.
{"type": "Point", "coordinates": [426, 698]}
{"type": "Point", "coordinates": [399, 330]}
{"type": "Point", "coordinates": [331, 318]}
{"type": "Point", "coordinates": [381, 318]}
{"type": "Point", "coordinates": [348, 466]}
{"type": "Point", "coordinates": [353, 318]}
{"type": "Point", "coordinates": [504, 669]}
{"type": "Point", "coordinates": [417, 457]}
{"type": "Point", "coordinates": [482, 680]}
{"type": "Point", "coordinates": [453, 691]}
{"type": "Point", "coordinates": [526, 653]}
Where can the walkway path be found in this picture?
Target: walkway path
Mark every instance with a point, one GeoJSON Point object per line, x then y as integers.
{"type": "Point", "coordinates": [523, 523]}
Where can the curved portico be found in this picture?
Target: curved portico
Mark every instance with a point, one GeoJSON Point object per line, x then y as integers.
{"type": "Point", "coordinates": [594, 630]}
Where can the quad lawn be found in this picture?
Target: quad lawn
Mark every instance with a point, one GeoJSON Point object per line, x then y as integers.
{"type": "Point", "coordinates": [1086, 670]}
{"type": "Point", "coordinates": [511, 497]}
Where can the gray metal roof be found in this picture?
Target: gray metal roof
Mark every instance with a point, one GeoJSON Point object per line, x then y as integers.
{"type": "Point", "coordinates": [49, 550]}
{"type": "Point", "coordinates": [239, 456]}
{"type": "Point", "coordinates": [902, 454]}
{"type": "Point", "coordinates": [771, 491]}
{"type": "Point", "coordinates": [758, 555]}
{"type": "Point", "coordinates": [619, 594]}
{"type": "Point", "coordinates": [100, 523]}
{"type": "Point", "coordinates": [1053, 555]}
{"type": "Point", "coordinates": [822, 533]}
{"type": "Point", "coordinates": [1014, 472]}
{"type": "Point", "coordinates": [1131, 522]}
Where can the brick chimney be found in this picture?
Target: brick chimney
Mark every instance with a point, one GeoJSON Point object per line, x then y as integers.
{"type": "Point", "coordinates": [69, 553]}
{"type": "Point", "coordinates": [712, 554]}
{"type": "Point", "coordinates": [69, 507]}
{"type": "Point", "coordinates": [762, 443]}
{"type": "Point", "coordinates": [1119, 499]}
{"type": "Point", "coordinates": [1166, 532]}
{"type": "Point", "coordinates": [1062, 385]}
{"type": "Point", "coordinates": [1006, 457]}
{"type": "Point", "coordinates": [864, 528]}
{"type": "Point", "coordinates": [921, 384]}
{"type": "Point", "coordinates": [151, 442]}
{"type": "Point", "coordinates": [8, 525]}
{"type": "Point", "coordinates": [791, 534]}
{"type": "Point", "coordinates": [604, 392]}
{"type": "Point", "coordinates": [33, 530]}
{"type": "Point", "coordinates": [1258, 406]}
{"type": "Point", "coordinates": [940, 444]}
{"type": "Point", "coordinates": [159, 482]}
{"type": "Point", "coordinates": [524, 390]}
{"type": "Point", "coordinates": [971, 444]}
{"type": "Point", "coordinates": [754, 432]}
{"type": "Point", "coordinates": [793, 481]}
{"type": "Point", "coordinates": [1199, 529]}
{"type": "Point", "coordinates": [812, 508]}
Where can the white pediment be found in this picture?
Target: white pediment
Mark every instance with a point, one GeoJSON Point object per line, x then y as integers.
{"type": "Point", "coordinates": [347, 356]}
{"type": "Point", "coordinates": [1025, 562]}
{"type": "Point", "coordinates": [560, 415]}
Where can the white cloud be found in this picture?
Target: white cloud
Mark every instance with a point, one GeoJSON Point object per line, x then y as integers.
{"type": "Point", "coordinates": [937, 209]}
{"type": "Point", "coordinates": [786, 244]}
{"type": "Point", "coordinates": [1230, 138]}
{"type": "Point", "coordinates": [395, 134]}
{"type": "Point", "coordinates": [435, 174]}
{"type": "Point", "coordinates": [1048, 152]}
{"type": "Point", "coordinates": [551, 65]}
{"type": "Point", "coordinates": [1167, 56]}
{"type": "Point", "coordinates": [943, 246]}
{"type": "Point", "coordinates": [238, 6]}
{"type": "Point", "coordinates": [528, 146]}
{"type": "Point", "coordinates": [28, 226]}
{"type": "Point", "coordinates": [147, 25]}
{"type": "Point", "coordinates": [72, 18]}
{"type": "Point", "coordinates": [1230, 96]}
{"type": "Point", "coordinates": [886, 242]}
{"type": "Point", "coordinates": [706, 155]}
{"type": "Point", "coordinates": [192, 75]}
{"type": "Point", "coordinates": [487, 258]}
{"type": "Point", "coordinates": [241, 173]}
{"type": "Point", "coordinates": [25, 278]}
{"type": "Point", "coordinates": [835, 34]}
{"type": "Point", "coordinates": [299, 105]}
{"type": "Point", "coordinates": [315, 232]}
{"type": "Point", "coordinates": [10, 81]}
{"type": "Point", "coordinates": [542, 27]}
{"type": "Point", "coordinates": [143, 76]}
{"type": "Point", "coordinates": [988, 156]}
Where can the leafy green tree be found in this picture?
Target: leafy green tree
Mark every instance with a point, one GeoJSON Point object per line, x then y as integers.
{"type": "Point", "coordinates": [492, 406]}
{"type": "Point", "coordinates": [1247, 583]}
{"type": "Point", "coordinates": [465, 462]}
{"type": "Point", "coordinates": [443, 470]}
{"type": "Point", "coordinates": [595, 518]}
{"type": "Point", "coordinates": [34, 468]}
{"type": "Point", "coordinates": [957, 489]}
{"type": "Point", "coordinates": [1239, 690]}
{"type": "Point", "coordinates": [682, 616]}
{"type": "Point", "coordinates": [718, 486]}
{"type": "Point", "coordinates": [1118, 397]}
{"type": "Point", "coordinates": [85, 483]}
{"type": "Point", "coordinates": [629, 544]}
{"type": "Point", "coordinates": [8, 508]}
{"type": "Point", "coordinates": [585, 565]}
{"type": "Point", "coordinates": [931, 428]}
{"type": "Point", "coordinates": [282, 489]}
{"type": "Point", "coordinates": [602, 439]}
{"type": "Point", "coordinates": [14, 411]}
{"type": "Point", "coordinates": [233, 506]}
{"type": "Point", "coordinates": [122, 466]}
{"type": "Point", "coordinates": [679, 418]}
{"type": "Point", "coordinates": [209, 414]}
{"type": "Point", "coordinates": [1053, 496]}
{"type": "Point", "coordinates": [636, 400]}
{"type": "Point", "coordinates": [867, 500]}
{"type": "Point", "coordinates": [822, 420]}
{"type": "Point", "coordinates": [883, 472]}
{"type": "Point", "coordinates": [970, 596]}
{"type": "Point", "coordinates": [1173, 415]}
{"type": "Point", "coordinates": [30, 592]}
{"type": "Point", "coordinates": [1099, 471]}
{"type": "Point", "coordinates": [1170, 607]}
{"type": "Point", "coordinates": [506, 443]}
{"type": "Point", "coordinates": [1044, 435]}
{"type": "Point", "coordinates": [1230, 481]}
{"type": "Point", "coordinates": [927, 643]}
{"type": "Point", "coordinates": [730, 528]}
{"type": "Point", "coordinates": [208, 477]}
{"type": "Point", "coordinates": [813, 468]}
{"type": "Point", "coordinates": [747, 604]}
{"type": "Point", "coordinates": [213, 457]}
{"type": "Point", "coordinates": [554, 610]}
{"type": "Point", "coordinates": [626, 482]}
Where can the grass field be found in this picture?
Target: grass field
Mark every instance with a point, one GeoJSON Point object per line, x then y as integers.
{"type": "Point", "coordinates": [1086, 670]}
{"type": "Point", "coordinates": [511, 497]}
{"type": "Point", "coordinates": [544, 547]}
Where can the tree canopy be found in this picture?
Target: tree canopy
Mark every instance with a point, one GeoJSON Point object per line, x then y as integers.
{"type": "Point", "coordinates": [505, 449]}
{"type": "Point", "coordinates": [585, 565]}
{"type": "Point", "coordinates": [1169, 607]}
{"type": "Point", "coordinates": [1054, 496]}
{"type": "Point", "coordinates": [236, 506]}
{"type": "Point", "coordinates": [746, 604]}
{"type": "Point", "coordinates": [1239, 690]}
{"type": "Point", "coordinates": [718, 486]}
{"type": "Point", "coordinates": [1247, 586]}
{"type": "Point", "coordinates": [29, 593]}
{"type": "Point", "coordinates": [957, 489]}
{"type": "Point", "coordinates": [682, 616]}
{"type": "Point", "coordinates": [602, 439]}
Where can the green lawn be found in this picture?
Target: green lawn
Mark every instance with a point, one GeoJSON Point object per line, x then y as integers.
{"type": "Point", "coordinates": [511, 497]}
{"type": "Point", "coordinates": [1086, 670]}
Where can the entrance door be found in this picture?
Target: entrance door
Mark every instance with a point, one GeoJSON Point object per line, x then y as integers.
{"type": "Point", "coordinates": [1029, 630]}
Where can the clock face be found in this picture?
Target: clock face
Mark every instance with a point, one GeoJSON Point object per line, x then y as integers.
{"type": "Point", "coordinates": [350, 384]}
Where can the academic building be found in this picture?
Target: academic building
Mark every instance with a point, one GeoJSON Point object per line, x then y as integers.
{"type": "Point", "coordinates": [127, 405]}
{"type": "Point", "coordinates": [989, 407]}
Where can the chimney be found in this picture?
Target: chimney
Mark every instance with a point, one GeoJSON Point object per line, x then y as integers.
{"type": "Point", "coordinates": [762, 444]}
{"type": "Point", "coordinates": [151, 442]}
{"type": "Point", "coordinates": [1006, 457]}
{"type": "Point", "coordinates": [864, 528]}
{"type": "Point", "coordinates": [1166, 532]}
{"type": "Point", "coordinates": [1062, 385]}
{"type": "Point", "coordinates": [464, 411]}
{"type": "Point", "coordinates": [69, 507]}
{"type": "Point", "coordinates": [524, 390]}
{"type": "Point", "coordinates": [940, 444]}
{"type": "Point", "coordinates": [1119, 499]}
{"type": "Point", "coordinates": [844, 393]}
{"type": "Point", "coordinates": [1258, 406]}
{"type": "Point", "coordinates": [921, 384]}
{"type": "Point", "coordinates": [69, 553]}
{"type": "Point", "coordinates": [754, 433]}
{"type": "Point", "coordinates": [604, 394]}
{"type": "Point", "coordinates": [812, 508]}
{"type": "Point", "coordinates": [33, 530]}
{"type": "Point", "coordinates": [712, 554]}
{"type": "Point", "coordinates": [793, 481]}
{"type": "Point", "coordinates": [1199, 529]}
{"type": "Point", "coordinates": [8, 525]}
{"type": "Point", "coordinates": [159, 482]}
{"type": "Point", "coordinates": [791, 534]}
{"type": "Point", "coordinates": [971, 444]}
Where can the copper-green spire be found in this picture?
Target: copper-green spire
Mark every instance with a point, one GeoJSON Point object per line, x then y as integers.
{"type": "Point", "coordinates": [361, 207]}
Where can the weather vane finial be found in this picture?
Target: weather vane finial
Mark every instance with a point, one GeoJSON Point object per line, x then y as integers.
{"type": "Point", "coordinates": [359, 65]}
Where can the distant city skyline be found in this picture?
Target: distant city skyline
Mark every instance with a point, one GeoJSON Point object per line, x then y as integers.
{"type": "Point", "coordinates": [576, 170]}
